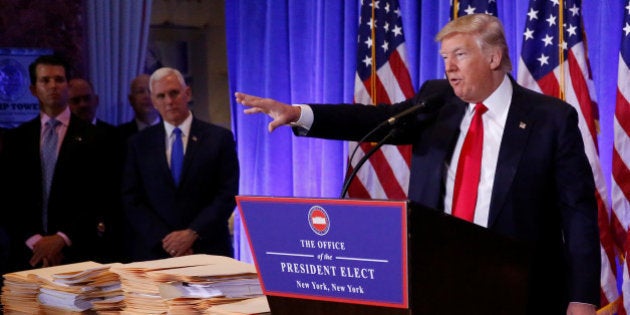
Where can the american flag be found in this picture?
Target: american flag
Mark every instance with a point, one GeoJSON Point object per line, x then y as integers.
{"type": "Point", "coordinates": [621, 157]}
{"type": "Point", "coordinates": [382, 78]}
{"type": "Point", "coordinates": [465, 7]}
{"type": "Point", "coordinates": [554, 61]}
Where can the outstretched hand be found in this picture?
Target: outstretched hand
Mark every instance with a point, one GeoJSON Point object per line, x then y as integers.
{"type": "Point", "coordinates": [281, 113]}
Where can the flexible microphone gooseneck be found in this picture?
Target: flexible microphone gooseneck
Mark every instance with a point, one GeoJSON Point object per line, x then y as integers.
{"type": "Point", "coordinates": [346, 184]}
{"type": "Point", "coordinates": [392, 121]}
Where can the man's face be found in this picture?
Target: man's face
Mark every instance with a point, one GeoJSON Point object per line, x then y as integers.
{"type": "Point", "coordinates": [468, 67]}
{"type": "Point", "coordinates": [82, 100]}
{"type": "Point", "coordinates": [171, 99]}
{"type": "Point", "coordinates": [140, 97]}
{"type": "Point", "coordinates": [51, 88]}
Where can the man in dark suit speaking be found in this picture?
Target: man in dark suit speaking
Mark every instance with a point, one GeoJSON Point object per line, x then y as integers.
{"type": "Point", "coordinates": [180, 179]}
{"type": "Point", "coordinates": [491, 152]}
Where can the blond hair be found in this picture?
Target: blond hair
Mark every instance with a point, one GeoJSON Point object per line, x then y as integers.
{"type": "Point", "coordinates": [488, 29]}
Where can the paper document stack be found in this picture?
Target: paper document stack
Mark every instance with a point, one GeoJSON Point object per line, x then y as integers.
{"type": "Point", "coordinates": [195, 284]}
{"type": "Point", "coordinates": [189, 285]}
{"type": "Point", "coordinates": [96, 289]}
{"type": "Point", "coordinates": [60, 289]}
{"type": "Point", "coordinates": [257, 305]}
{"type": "Point", "coordinates": [19, 293]}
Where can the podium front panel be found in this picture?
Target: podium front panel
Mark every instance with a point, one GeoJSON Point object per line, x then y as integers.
{"type": "Point", "coordinates": [348, 251]}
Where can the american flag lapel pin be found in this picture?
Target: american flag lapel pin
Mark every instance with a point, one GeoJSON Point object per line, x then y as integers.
{"type": "Point", "coordinates": [522, 125]}
{"type": "Point", "coordinates": [193, 138]}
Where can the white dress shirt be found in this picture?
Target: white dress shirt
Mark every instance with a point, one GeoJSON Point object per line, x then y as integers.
{"type": "Point", "coordinates": [498, 104]}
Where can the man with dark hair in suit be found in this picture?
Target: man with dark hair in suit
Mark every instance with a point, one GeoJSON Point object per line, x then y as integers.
{"type": "Point", "coordinates": [83, 103]}
{"type": "Point", "coordinates": [532, 180]}
{"type": "Point", "coordinates": [145, 114]}
{"type": "Point", "coordinates": [54, 182]}
{"type": "Point", "coordinates": [180, 180]}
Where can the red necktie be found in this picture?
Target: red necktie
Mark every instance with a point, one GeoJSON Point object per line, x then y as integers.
{"type": "Point", "coordinates": [469, 168]}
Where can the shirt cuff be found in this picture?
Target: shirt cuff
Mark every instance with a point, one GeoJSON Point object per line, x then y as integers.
{"type": "Point", "coordinates": [31, 241]}
{"type": "Point", "coordinates": [306, 117]}
{"type": "Point", "coordinates": [66, 239]}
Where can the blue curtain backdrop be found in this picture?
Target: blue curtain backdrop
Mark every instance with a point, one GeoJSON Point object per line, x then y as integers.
{"type": "Point", "coordinates": [305, 51]}
{"type": "Point", "coordinates": [118, 31]}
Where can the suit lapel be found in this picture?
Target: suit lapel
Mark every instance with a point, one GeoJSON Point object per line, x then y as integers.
{"type": "Point", "coordinates": [74, 136]}
{"type": "Point", "coordinates": [517, 130]}
{"type": "Point", "coordinates": [446, 138]}
{"type": "Point", "coordinates": [154, 147]}
{"type": "Point", "coordinates": [32, 140]}
{"type": "Point", "coordinates": [439, 150]}
{"type": "Point", "coordinates": [158, 145]}
{"type": "Point", "coordinates": [191, 147]}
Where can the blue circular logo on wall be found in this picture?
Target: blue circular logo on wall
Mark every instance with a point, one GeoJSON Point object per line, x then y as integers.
{"type": "Point", "coordinates": [14, 80]}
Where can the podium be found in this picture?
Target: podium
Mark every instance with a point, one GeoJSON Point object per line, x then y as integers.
{"type": "Point", "coordinates": [447, 265]}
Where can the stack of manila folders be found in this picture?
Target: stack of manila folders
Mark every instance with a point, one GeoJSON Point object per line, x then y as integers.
{"type": "Point", "coordinates": [194, 284]}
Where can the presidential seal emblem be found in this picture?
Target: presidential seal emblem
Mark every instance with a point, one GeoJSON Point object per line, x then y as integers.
{"type": "Point", "coordinates": [318, 220]}
{"type": "Point", "coordinates": [14, 80]}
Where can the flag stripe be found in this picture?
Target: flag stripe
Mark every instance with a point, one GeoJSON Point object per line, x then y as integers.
{"type": "Point", "coordinates": [549, 85]}
{"type": "Point", "coordinates": [621, 158]}
{"type": "Point", "coordinates": [580, 88]}
{"type": "Point", "coordinates": [404, 88]}
{"type": "Point", "coordinates": [621, 175]}
{"type": "Point", "coordinates": [621, 112]}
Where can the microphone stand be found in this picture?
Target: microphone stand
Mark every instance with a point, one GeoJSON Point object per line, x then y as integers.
{"type": "Point", "coordinates": [391, 121]}
{"type": "Point", "coordinates": [364, 159]}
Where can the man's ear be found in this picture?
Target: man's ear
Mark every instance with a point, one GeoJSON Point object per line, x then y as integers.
{"type": "Point", "coordinates": [495, 58]}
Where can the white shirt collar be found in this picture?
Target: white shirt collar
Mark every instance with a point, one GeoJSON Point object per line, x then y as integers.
{"type": "Point", "coordinates": [499, 101]}
{"type": "Point", "coordinates": [184, 126]}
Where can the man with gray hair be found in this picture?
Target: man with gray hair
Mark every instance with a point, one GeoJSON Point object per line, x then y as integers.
{"type": "Point", "coordinates": [180, 179]}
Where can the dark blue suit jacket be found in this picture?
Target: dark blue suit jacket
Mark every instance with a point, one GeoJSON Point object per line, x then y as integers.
{"type": "Point", "coordinates": [127, 129]}
{"type": "Point", "coordinates": [543, 193]}
{"type": "Point", "coordinates": [203, 201]}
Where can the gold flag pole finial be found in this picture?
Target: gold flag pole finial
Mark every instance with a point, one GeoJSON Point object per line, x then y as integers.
{"type": "Point", "coordinates": [455, 9]}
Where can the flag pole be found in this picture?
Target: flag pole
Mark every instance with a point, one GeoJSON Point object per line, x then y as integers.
{"type": "Point", "coordinates": [561, 50]}
{"type": "Point", "coordinates": [455, 9]}
{"type": "Point", "coordinates": [373, 76]}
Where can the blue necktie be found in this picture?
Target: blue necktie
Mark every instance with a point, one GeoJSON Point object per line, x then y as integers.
{"type": "Point", "coordinates": [49, 159]}
{"type": "Point", "coordinates": [177, 155]}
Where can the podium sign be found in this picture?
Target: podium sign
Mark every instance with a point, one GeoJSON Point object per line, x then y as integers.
{"type": "Point", "coordinates": [348, 251]}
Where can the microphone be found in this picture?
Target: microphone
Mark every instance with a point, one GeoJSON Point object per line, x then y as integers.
{"type": "Point", "coordinates": [392, 121]}
{"type": "Point", "coordinates": [423, 104]}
